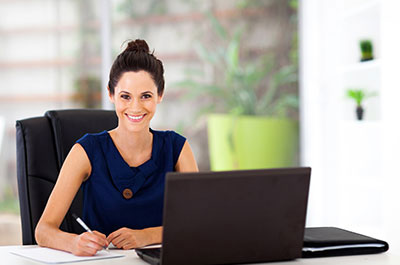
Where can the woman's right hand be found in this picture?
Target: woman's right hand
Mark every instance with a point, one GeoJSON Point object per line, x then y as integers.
{"type": "Point", "coordinates": [87, 244]}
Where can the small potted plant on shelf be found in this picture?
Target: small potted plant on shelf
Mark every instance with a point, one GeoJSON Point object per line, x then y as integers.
{"type": "Point", "coordinates": [359, 95]}
{"type": "Point", "coordinates": [366, 50]}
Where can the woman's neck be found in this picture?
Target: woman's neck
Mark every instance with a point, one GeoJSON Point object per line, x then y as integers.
{"type": "Point", "coordinates": [140, 141]}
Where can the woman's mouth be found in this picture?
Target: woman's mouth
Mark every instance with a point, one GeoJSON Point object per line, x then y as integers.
{"type": "Point", "coordinates": [135, 118]}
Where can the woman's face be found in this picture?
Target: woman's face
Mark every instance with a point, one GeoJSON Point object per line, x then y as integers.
{"type": "Point", "coordinates": [135, 99]}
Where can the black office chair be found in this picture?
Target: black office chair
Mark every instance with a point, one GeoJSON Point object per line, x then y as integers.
{"type": "Point", "coordinates": [42, 146]}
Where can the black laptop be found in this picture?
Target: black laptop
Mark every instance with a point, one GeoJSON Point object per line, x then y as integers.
{"type": "Point", "coordinates": [232, 217]}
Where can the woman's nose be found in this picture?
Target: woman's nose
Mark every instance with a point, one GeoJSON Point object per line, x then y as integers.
{"type": "Point", "coordinates": [135, 104]}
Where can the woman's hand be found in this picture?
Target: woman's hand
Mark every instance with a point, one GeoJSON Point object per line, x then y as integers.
{"type": "Point", "coordinates": [126, 238]}
{"type": "Point", "coordinates": [87, 244]}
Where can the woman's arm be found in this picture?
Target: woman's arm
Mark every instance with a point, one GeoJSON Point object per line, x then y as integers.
{"type": "Point", "coordinates": [127, 238]}
{"type": "Point", "coordinates": [75, 169]}
{"type": "Point", "coordinates": [186, 161]}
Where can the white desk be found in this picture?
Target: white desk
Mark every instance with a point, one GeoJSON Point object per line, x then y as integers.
{"type": "Point", "coordinates": [131, 258]}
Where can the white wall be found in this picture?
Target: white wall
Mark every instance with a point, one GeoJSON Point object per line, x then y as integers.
{"type": "Point", "coordinates": [355, 177]}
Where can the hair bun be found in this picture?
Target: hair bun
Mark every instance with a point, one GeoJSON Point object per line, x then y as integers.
{"type": "Point", "coordinates": [137, 46]}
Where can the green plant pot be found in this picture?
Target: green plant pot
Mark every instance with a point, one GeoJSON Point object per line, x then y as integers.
{"type": "Point", "coordinates": [251, 142]}
{"type": "Point", "coordinates": [220, 142]}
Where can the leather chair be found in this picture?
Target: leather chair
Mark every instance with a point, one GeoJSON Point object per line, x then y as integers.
{"type": "Point", "coordinates": [42, 146]}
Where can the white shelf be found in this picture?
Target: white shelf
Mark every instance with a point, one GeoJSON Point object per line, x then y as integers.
{"type": "Point", "coordinates": [363, 21]}
{"type": "Point", "coordinates": [361, 66]}
{"type": "Point", "coordinates": [360, 9]}
{"type": "Point", "coordinates": [361, 125]}
{"type": "Point", "coordinates": [359, 22]}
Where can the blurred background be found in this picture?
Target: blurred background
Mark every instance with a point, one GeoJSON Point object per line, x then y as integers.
{"type": "Point", "coordinates": [250, 83]}
{"type": "Point", "coordinates": [52, 56]}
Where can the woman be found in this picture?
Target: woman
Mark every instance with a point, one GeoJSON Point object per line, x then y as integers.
{"type": "Point", "coordinates": [123, 170]}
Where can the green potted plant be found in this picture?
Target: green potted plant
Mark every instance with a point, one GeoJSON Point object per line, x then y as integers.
{"type": "Point", "coordinates": [359, 95]}
{"type": "Point", "coordinates": [249, 125]}
{"type": "Point", "coordinates": [366, 50]}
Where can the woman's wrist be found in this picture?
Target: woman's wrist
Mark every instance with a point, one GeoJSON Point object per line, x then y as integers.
{"type": "Point", "coordinates": [70, 240]}
{"type": "Point", "coordinates": [52, 237]}
{"type": "Point", "coordinates": [154, 235]}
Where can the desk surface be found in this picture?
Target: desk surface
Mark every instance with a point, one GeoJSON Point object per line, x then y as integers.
{"type": "Point", "coordinates": [132, 259]}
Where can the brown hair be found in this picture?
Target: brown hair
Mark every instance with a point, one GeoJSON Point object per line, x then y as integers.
{"type": "Point", "coordinates": [137, 57]}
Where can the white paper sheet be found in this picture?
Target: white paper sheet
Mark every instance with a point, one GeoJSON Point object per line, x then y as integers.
{"type": "Point", "coordinates": [52, 256]}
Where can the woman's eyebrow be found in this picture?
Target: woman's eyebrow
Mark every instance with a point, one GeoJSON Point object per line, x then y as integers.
{"type": "Point", "coordinates": [145, 92]}
{"type": "Point", "coordinates": [123, 91]}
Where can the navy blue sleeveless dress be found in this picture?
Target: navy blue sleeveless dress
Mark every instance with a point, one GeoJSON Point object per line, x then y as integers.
{"type": "Point", "coordinates": [117, 195]}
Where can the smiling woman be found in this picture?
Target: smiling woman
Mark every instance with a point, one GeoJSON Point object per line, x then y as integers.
{"type": "Point", "coordinates": [135, 100]}
{"type": "Point", "coordinates": [122, 171]}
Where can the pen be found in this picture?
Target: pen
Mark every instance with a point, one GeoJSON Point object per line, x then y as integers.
{"type": "Point", "coordinates": [79, 220]}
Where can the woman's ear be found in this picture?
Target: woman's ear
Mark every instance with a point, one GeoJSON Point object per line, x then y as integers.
{"type": "Point", "coordinates": [160, 97]}
{"type": "Point", "coordinates": [111, 96]}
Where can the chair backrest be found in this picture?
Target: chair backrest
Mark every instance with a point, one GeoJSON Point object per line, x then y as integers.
{"type": "Point", "coordinates": [42, 146]}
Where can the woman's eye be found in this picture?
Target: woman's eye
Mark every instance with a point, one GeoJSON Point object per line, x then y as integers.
{"type": "Point", "coordinates": [146, 96]}
{"type": "Point", "coordinates": [125, 97]}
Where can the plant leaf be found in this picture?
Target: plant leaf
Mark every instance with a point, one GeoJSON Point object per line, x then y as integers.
{"type": "Point", "coordinates": [218, 28]}
{"type": "Point", "coordinates": [232, 54]}
{"type": "Point", "coordinates": [205, 54]}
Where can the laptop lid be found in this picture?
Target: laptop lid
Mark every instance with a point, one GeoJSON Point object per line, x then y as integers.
{"type": "Point", "coordinates": [234, 216]}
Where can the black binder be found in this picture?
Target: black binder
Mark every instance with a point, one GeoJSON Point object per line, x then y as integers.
{"type": "Point", "coordinates": [333, 241]}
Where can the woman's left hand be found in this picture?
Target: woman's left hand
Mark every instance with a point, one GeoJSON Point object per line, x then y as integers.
{"type": "Point", "coordinates": [126, 238]}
